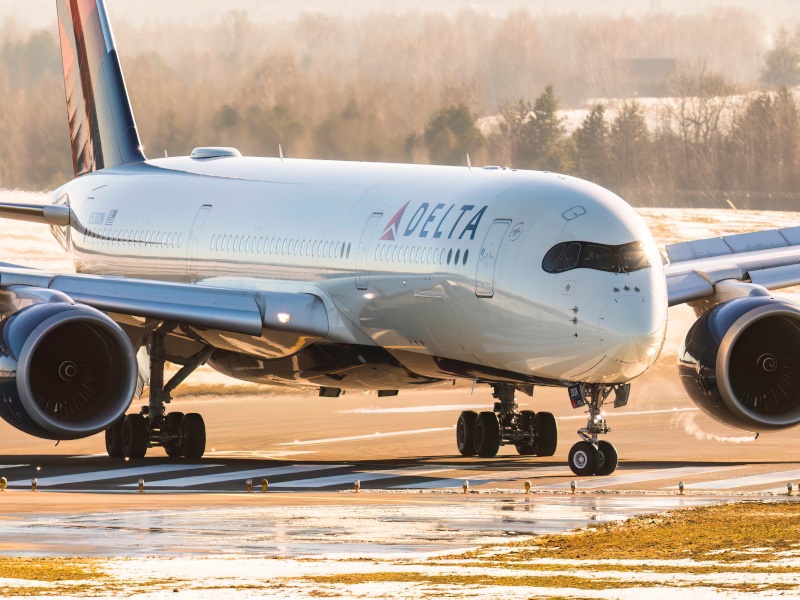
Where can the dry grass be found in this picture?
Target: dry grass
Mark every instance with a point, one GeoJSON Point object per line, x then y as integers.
{"type": "Point", "coordinates": [746, 531]}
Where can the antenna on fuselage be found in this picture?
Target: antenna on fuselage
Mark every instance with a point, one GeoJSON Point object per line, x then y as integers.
{"type": "Point", "coordinates": [280, 152]}
{"type": "Point", "coordinates": [469, 164]}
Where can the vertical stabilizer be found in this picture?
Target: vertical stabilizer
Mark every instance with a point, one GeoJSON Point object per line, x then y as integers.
{"type": "Point", "coordinates": [101, 125]}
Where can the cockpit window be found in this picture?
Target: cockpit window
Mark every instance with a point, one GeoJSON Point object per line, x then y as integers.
{"type": "Point", "coordinates": [587, 255]}
{"type": "Point", "coordinates": [602, 258]}
{"type": "Point", "coordinates": [632, 257]}
{"type": "Point", "coordinates": [551, 258]}
{"type": "Point", "coordinates": [569, 258]}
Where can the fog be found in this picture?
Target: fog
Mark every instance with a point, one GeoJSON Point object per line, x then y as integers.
{"type": "Point", "coordinates": [663, 102]}
{"type": "Point", "coordinates": [37, 13]}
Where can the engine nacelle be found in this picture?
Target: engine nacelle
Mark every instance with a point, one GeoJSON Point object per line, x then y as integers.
{"type": "Point", "coordinates": [740, 363]}
{"type": "Point", "coordinates": [67, 371]}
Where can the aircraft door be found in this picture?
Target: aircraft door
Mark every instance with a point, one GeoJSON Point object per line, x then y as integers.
{"type": "Point", "coordinates": [362, 252]}
{"type": "Point", "coordinates": [484, 278]}
{"type": "Point", "coordinates": [194, 239]}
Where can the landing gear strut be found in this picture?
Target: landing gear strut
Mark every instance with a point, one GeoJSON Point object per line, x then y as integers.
{"type": "Point", "coordinates": [590, 456]}
{"type": "Point", "coordinates": [484, 433]}
{"type": "Point", "coordinates": [180, 435]}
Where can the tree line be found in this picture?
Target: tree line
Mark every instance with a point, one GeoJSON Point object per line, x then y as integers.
{"type": "Point", "coordinates": [512, 91]}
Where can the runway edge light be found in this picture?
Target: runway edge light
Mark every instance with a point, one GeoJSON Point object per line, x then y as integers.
{"type": "Point", "coordinates": [680, 487]}
{"type": "Point", "coordinates": [573, 486]}
{"type": "Point", "coordinates": [3, 484]}
{"type": "Point", "coordinates": [249, 484]}
{"type": "Point", "coordinates": [527, 487]}
{"type": "Point", "coordinates": [466, 487]}
{"type": "Point", "coordinates": [264, 485]}
{"type": "Point", "coordinates": [356, 486]}
{"type": "Point", "coordinates": [789, 488]}
{"type": "Point", "coordinates": [141, 485]}
{"type": "Point", "coordinates": [34, 483]}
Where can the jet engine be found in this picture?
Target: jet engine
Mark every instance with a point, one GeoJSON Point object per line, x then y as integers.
{"type": "Point", "coordinates": [67, 371]}
{"type": "Point", "coordinates": [740, 363]}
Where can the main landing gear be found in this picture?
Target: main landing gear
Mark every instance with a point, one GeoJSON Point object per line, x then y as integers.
{"type": "Point", "coordinates": [180, 435]}
{"type": "Point", "coordinates": [590, 456]}
{"type": "Point", "coordinates": [484, 433]}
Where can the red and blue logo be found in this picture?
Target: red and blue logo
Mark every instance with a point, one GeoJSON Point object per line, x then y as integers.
{"type": "Point", "coordinates": [430, 221]}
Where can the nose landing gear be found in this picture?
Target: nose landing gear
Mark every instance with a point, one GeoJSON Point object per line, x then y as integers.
{"type": "Point", "coordinates": [592, 456]}
{"type": "Point", "coordinates": [484, 433]}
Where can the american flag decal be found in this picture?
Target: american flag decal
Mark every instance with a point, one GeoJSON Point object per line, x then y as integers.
{"type": "Point", "coordinates": [110, 218]}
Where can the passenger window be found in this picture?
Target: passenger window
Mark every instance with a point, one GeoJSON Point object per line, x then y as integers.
{"type": "Point", "coordinates": [569, 259]}
{"type": "Point", "coordinates": [466, 254]}
{"type": "Point", "coordinates": [458, 255]}
{"type": "Point", "coordinates": [449, 256]}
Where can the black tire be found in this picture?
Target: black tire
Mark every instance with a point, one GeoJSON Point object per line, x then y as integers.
{"type": "Point", "coordinates": [172, 423]}
{"type": "Point", "coordinates": [135, 436]}
{"type": "Point", "coordinates": [193, 436]}
{"type": "Point", "coordinates": [465, 432]}
{"type": "Point", "coordinates": [583, 459]}
{"type": "Point", "coordinates": [114, 440]}
{"type": "Point", "coordinates": [610, 458]}
{"type": "Point", "coordinates": [487, 435]}
{"type": "Point", "coordinates": [546, 433]}
{"type": "Point", "coordinates": [527, 420]}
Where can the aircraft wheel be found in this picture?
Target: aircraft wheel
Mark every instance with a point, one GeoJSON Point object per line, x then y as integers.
{"type": "Point", "coordinates": [465, 432]}
{"type": "Point", "coordinates": [527, 420]}
{"type": "Point", "coordinates": [583, 459]}
{"type": "Point", "coordinates": [135, 436]}
{"type": "Point", "coordinates": [114, 439]}
{"type": "Point", "coordinates": [193, 436]}
{"type": "Point", "coordinates": [487, 435]}
{"type": "Point", "coordinates": [172, 422]}
{"type": "Point", "coordinates": [610, 458]}
{"type": "Point", "coordinates": [546, 433]}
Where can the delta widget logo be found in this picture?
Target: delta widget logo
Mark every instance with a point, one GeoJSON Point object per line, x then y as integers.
{"type": "Point", "coordinates": [434, 222]}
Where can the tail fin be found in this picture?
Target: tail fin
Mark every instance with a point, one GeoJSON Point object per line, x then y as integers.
{"type": "Point", "coordinates": [101, 125]}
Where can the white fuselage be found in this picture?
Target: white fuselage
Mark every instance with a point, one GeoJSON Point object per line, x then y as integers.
{"type": "Point", "coordinates": [442, 263]}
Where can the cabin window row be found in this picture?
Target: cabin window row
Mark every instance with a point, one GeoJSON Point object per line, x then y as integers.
{"type": "Point", "coordinates": [279, 246]}
{"type": "Point", "coordinates": [135, 237]}
{"type": "Point", "coordinates": [420, 255]}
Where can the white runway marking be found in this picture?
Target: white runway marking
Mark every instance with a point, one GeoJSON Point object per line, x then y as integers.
{"type": "Point", "coordinates": [752, 480]}
{"type": "Point", "coordinates": [632, 413]}
{"type": "Point", "coordinates": [414, 409]}
{"type": "Point", "coordinates": [45, 481]}
{"type": "Point", "coordinates": [11, 467]}
{"type": "Point", "coordinates": [368, 436]}
{"type": "Point", "coordinates": [600, 482]}
{"type": "Point", "coordinates": [483, 478]}
{"type": "Point", "coordinates": [362, 476]}
{"type": "Point", "coordinates": [253, 474]}
{"type": "Point", "coordinates": [347, 478]}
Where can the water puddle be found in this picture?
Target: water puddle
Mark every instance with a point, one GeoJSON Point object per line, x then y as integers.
{"type": "Point", "coordinates": [336, 531]}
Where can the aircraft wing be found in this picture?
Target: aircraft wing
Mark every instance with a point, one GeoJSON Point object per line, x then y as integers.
{"type": "Point", "coordinates": [770, 259]}
{"type": "Point", "coordinates": [246, 312]}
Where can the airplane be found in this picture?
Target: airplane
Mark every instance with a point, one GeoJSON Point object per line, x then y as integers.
{"type": "Point", "coordinates": [338, 276]}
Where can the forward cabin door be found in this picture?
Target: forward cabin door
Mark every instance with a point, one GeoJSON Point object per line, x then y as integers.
{"type": "Point", "coordinates": [194, 239]}
{"type": "Point", "coordinates": [487, 259]}
{"type": "Point", "coordinates": [362, 252]}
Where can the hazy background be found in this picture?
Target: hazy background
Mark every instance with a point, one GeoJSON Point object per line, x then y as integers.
{"type": "Point", "coordinates": [667, 102]}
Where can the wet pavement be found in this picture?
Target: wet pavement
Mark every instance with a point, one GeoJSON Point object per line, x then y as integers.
{"type": "Point", "coordinates": [348, 530]}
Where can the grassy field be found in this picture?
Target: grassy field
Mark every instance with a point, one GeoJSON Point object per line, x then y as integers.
{"type": "Point", "coordinates": [718, 551]}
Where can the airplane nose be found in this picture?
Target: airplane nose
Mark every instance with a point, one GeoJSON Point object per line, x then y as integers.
{"type": "Point", "coordinates": [631, 331]}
